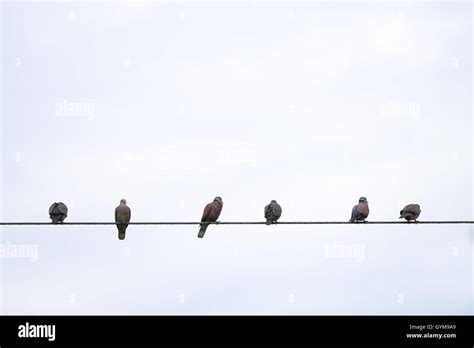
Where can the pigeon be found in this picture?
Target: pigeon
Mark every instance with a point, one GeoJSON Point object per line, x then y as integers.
{"type": "Point", "coordinates": [272, 212]}
{"type": "Point", "coordinates": [122, 217]}
{"type": "Point", "coordinates": [211, 214]}
{"type": "Point", "coordinates": [57, 212]}
{"type": "Point", "coordinates": [410, 212]}
{"type": "Point", "coordinates": [360, 211]}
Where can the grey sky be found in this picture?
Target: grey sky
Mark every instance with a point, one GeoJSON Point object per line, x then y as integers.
{"type": "Point", "coordinates": [168, 105]}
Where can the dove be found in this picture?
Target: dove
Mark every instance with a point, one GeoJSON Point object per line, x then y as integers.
{"type": "Point", "coordinates": [57, 212]}
{"type": "Point", "coordinates": [410, 212]}
{"type": "Point", "coordinates": [122, 218]}
{"type": "Point", "coordinates": [211, 214]}
{"type": "Point", "coordinates": [272, 212]}
{"type": "Point", "coordinates": [360, 211]}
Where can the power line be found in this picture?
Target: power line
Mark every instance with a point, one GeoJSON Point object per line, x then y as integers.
{"type": "Point", "coordinates": [244, 223]}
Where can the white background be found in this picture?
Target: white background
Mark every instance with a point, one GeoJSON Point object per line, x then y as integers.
{"type": "Point", "coordinates": [312, 104]}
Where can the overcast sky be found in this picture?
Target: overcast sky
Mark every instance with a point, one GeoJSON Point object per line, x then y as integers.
{"type": "Point", "coordinates": [313, 104]}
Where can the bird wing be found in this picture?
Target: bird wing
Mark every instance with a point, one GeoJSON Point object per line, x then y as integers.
{"type": "Point", "coordinates": [268, 211]}
{"type": "Point", "coordinates": [412, 208]}
{"type": "Point", "coordinates": [207, 211]}
{"type": "Point", "coordinates": [215, 211]}
{"type": "Point", "coordinates": [354, 213]}
{"type": "Point", "coordinates": [277, 210]}
{"type": "Point", "coordinates": [62, 208]}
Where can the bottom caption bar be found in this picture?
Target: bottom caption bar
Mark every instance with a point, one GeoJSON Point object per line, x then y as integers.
{"type": "Point", "coordinates": [225, 330]}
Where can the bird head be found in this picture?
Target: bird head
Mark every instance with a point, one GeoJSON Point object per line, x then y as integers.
{"type": "Point", "coordinates": [363, 200]}
{"type": "Point", "coordinates": [219, 199]}
{"type": "Point", "coordinates": [123, 201]}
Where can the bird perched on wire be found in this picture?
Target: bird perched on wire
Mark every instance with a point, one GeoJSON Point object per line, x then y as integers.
{"type": "Point", "coordinates": [211, 214]}
{"type": "Point", "coordinates": [122, 218]}
{"type": "Point", "coordinates": [410, 213]}
{"type": "Point", "coordinates": [57, 212]}
{"type": "Point", "coordinates": [360, 212]}
{"type": "Point", "coordinates": [272, 212]}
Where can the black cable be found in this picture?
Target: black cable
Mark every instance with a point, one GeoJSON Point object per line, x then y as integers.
{"type": "Point", "coordinates": [245, 223]}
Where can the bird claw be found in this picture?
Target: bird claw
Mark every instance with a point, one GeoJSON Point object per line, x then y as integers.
{"type": "Point", "coordinates": [218, 222]}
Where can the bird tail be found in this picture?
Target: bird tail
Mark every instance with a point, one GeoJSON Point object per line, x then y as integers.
{"type": "Point", "coordinates": [55, 219]}
{"type": "Point", "coordinates": [269, 222]}
{"type": "Point", "coordinates": [202, 230]}
{"type": "Point", "coordinates": [121, 231]}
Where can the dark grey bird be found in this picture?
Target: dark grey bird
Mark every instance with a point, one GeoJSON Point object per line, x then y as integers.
{"type": "Point", "coordinates": [57, 212]}
{"type": "Point", "coordinates": [272, 212]}
{"type": "Point", "coordinates": [360, 212]}
{"type": "Point", "coordinates": [410, 213]}
{"type": "Point", "coordinates": [122, 218]}
{"type": "Point", "coordinates": [211, 214]}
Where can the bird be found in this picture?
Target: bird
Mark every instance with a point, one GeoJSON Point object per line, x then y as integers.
{"type": "Point", "coordinates": [122, 218]}
{"type": "Point", "coordinates": [360, 212]}
{"type": "Point", "coordinates": [211, 214]}
{"type": "Point", "coordinates": [272, 212]}
{"type": "Point", "coordinates": [57, 212]}
{"type": "Point", "coordinates": [410, 212]}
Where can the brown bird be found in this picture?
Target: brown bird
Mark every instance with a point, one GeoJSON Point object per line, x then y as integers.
{"type": "Point", "coordinates": [211, 214]}
{"type": "Point", "coordinates": [122, 218]}
{"type": "Point", "coordinates": [272, 212]}
{"type": "Point", "coordinates": [410, 212]}
{"type": "Point", "coordinates": [57, 212]}
{"type": "Point", "coordinates": [360, 212]}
